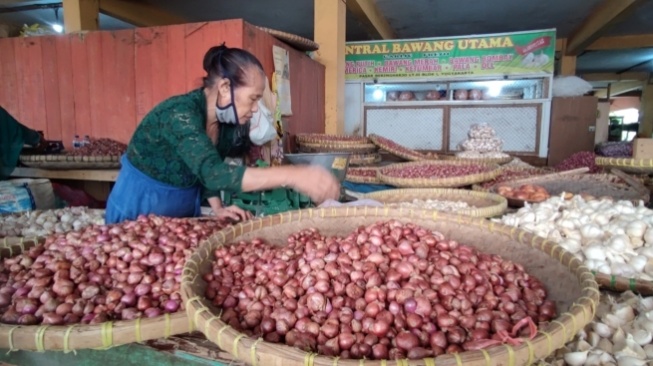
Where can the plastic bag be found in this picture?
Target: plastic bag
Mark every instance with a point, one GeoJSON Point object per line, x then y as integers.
{"type": "Point", "coordinates": [15, 198]}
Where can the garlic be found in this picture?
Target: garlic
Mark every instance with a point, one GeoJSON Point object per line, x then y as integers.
{"type": "Point", "coordinates": [605, 345]}
{"type": "Point", "coordinates": [649, 351]}
{"type": "Point", "coordinates": [603, 330]}
{"type": "Point", "coordinates": [636, 229]}
{"type": "Point", "coordinates": [630, 361]}
{"type": "Point", "coordinates": [591, 231]}
{"type": "Point", "coordinates": [593, 359]}
{"type": "Point", "coordinates": [642, 337]}
{"type": "Point", "coordinates": [576, 358]}
{"type": "Point", "coordinates": [648, 236]}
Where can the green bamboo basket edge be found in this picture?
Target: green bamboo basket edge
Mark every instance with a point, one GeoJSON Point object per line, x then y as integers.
{"type": "Point", "coordinates": [69, 338]}
{"type": "Point", "coordinates": [628, 165]}
{"type": "Point", "coordinates": [249, 350]}
{"type": "Point", "coordinates": [451, 182]}
{"type": "Point", "coordinates": [498, 208]}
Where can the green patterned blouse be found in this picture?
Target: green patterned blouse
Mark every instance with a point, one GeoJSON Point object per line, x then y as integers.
{"type": "Point", "coordinates": [171, 146]}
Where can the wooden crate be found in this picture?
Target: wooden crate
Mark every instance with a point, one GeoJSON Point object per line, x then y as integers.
{"type": "Point", "coordinates": [643, 149]}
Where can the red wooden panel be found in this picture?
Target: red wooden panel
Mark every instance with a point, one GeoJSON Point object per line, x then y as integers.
{"type": "Point", "coordinates": [66, 91]}
{"type": "Point", "coordinates": [125, 120]}
{"type": "Point", "coordinates": [81, 86]}
{"type": "Point", "coordinates": [176, 59]}
{"type": "Point", "coordinates": [9, 89]}
{"type": "Point", "coordinates": [94, 52]}
{"type": "Point", "coordinates": [51, 79]}
{"type": "Point", "coordinates": [195, 50]}
{"type": "Point", "coordinates": [106, 99]}
{"type": "Point", "coordinates": [143, 83]}
{"type": "Point", "coordinates": [30, 83]}
{"type": "Point", "coordinates": [159, 60]}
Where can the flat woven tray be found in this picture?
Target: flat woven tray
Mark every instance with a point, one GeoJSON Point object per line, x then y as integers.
{"type": "Point", "coordinates": [73, 337]}
{"type": "Point", "coordinates": [637, 166]}
{"type": "Point", "coordinates": [498, 161]}
{"type": "Point", "coordinates": [450, 182]}
{"type": "Point", "coordinates": [320, 138]}
{"type": "Point", "coordinates": [336, 147]}
{"type": "Point", "coordinates": [70, 162]}
{"type": "Point", "coordinates": [410, 155]}
{"type": "Point", "coordinates": [364, 159]}
{"type": "Point", "coordinates": [484, 204]}
{"type": "Point", "coordinates": [484, 187]}
{"type": "Point", "coordinates": [298, 42]}
{"type": "Point", "coordinates": [363, 179]}
{"type": "Point", "coordinates": [568, 282]}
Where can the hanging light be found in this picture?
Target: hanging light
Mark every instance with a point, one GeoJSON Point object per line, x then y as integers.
{"type": "Point", "coordinates": [56, 26]}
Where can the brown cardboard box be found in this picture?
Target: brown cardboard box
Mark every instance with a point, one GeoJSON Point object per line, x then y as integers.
{"type": "Point", "coordinates": [643, 149]}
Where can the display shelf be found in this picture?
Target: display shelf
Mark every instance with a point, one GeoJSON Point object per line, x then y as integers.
{"type": "Point", "coordinates": [108, 175]}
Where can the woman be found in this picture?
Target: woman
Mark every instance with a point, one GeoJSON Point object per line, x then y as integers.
{"type": "Point", "coordinates": [175, 156]}
{"type": "Point", "coordinates": [13, 136]}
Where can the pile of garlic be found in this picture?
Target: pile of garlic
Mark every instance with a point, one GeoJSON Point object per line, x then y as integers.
{"type": "Point", "coordinates": [611, 237]}
{"type": "Point", "coordinates": [47, 222]}
{"type": "Point", "coordinates": [429, 204]}
{"type": "Point", "coordinates": [482, 140]}
{"type": "Point", "coordinates": [480, 155]}
{"type": "Point", "coordinates": [621, 334]}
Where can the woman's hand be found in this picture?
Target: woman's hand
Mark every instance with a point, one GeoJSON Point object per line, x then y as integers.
{"type": "Point", "coordinates": [317, 183]}
{"type": "Point", "coordinates": [232, 212]}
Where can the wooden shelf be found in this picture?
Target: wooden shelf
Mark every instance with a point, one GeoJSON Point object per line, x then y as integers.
{"type": "Point", "coordinates": [108, 175]}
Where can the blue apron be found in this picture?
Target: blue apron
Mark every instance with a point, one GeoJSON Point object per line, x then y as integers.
{"type": "Point", "coordinates": [137, 194]}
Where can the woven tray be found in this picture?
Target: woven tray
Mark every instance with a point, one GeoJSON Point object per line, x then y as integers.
{"type": "Point", "coordinates": [451, 182]}
{"type": "Point", "coordinates": [364, 159]}
{"type": "Point", "coordinates": [73, 337]}
{"type": "Point", "coordinates": [569, 283]}
{"type": "Point", "coordinates": [410, 156]}
{"type": "Point", "coordinates": [363, 179]}
{"type": "Point", "coordinates": [498, 161]}
{"type": "Point", "coordinates": [70, 162]}
{"type": "Point", "coordinates": [298, 42]}
{"type": "Point", "coordinates": [637, 166]}
{"type": "Point", "coordinates": [486, 204]}
{"type": "Point", "coordinates": [335, 147]}
{"type": "Point", "coordinates": [482, 188]}
{"type": "Point", "coordinates": [622, 284]}
{"type": "Point", "coordinates": [320, 138]}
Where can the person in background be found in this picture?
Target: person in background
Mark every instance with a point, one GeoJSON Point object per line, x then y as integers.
{"type": "Point", "coordinates": [176, 155]}
{"type": "Point", "coordinates": [13, 137]}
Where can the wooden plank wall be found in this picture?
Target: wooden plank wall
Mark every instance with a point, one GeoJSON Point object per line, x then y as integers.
{"type": "Point", "coordinates": [102, 83]}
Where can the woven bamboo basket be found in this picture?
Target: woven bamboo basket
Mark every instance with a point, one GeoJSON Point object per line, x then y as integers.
{"type": "Point", "coordinates": [70, 162]}
{"type": "Point", "coordinates": [481, 204]}
{"type": "Point", "coordinates": [622, 284]}
{"type": "Point", "coordinates": [320, 138]}
{"type": "Point", "coordinates": [569, 283]}
{"type": "Point", "coordinates": [486, 186]}
{"type": "Point", "coordinates": [363, 179]}
{"type": "Point", "coordinates": [408, 154]}
{"type": "Point", "coordinates": [450, 182]}
{"type": "Point", "coordinates": [298, 42]}
{"type": "Point", "coordinates": [73, 337]}
{"type": "Point", "coordinates": [636, 166]}
{"type": "Point", "coordinates": [336, 147]}
{"type": "Point", "coordinates": [498, 161]}
{"type": "Point", "coordinates": [364, 159]}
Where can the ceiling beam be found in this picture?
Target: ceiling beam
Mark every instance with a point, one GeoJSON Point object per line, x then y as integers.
{"type": "Point", "coordinates": [622, 42]}
{"type": "Point", "coordinates": [369, 14]}
{"type": "Point", "coordinates": [605, 15]}
{"type": "Point", "coordinates": [138, 14]}
{"type": "Point", "coordinates": [613, 76]}
{"type": "Point", "coordinates": [619, 88]}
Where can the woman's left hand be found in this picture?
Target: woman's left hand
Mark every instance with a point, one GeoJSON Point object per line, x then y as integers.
{"type": "Point", "coordinates": [232, 212]}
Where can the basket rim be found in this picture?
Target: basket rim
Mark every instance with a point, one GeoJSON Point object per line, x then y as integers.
{"type": "Point", "coordinates": [97, 336]}
{"type": "Point", "coordinates": [626, 164]}
{"type": "Point", "coordinates": [449, 182]}
{"type": "Point", "coordinates": [246, 349]}
{"type": "Point", "coordinates": [322, 138]}
{"type": "Point", "coordinates": [499, 207]}
{"type": "Point", "coordinates": [414, 156]}
{"type": "Point", "coordinates": [621, 284]}
{"type": "Point", "coordinates": [357, 146]}
{"type": "Point", "coordinates": [498, 161]}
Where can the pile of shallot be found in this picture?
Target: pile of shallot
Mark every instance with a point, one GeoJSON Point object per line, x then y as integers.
{"type": "Point", "coordinates": [433, 171]}
{"type": "Point", "coordinates": [43, 223]}
{"type": "Point", "coordinates": [611, 237]}
{"type": "Point", "coordinates": [386, 291]}
{"type": "Point", "coordinates": [101, 273]}
{"type": "Point", "coordinates": [100, 147]}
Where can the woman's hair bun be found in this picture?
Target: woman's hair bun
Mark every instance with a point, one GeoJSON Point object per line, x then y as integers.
{"type": "Point", "coordinates": [212, 55]}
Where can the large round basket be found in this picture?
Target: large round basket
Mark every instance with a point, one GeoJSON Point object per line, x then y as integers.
{"type": "Point", "coordinates": [70, 162]}
{"type": "Point", "coordinates": [364, 159]}
{"type": "Point", "coordinates": [481, 204]}
{"type": "Point", "coordinates": [79, 336]}
{"type": "Point", "coordinates": [337, 147]}
{"type": "Point", "coordinates": [363, 179]}
{"type": "Point", "coordinates": [403, 152]}
{"type": "Point", "coordinates": [320, 138]}
{"type": "Point", "coordinates": [450, 182]}
{"type": "Point", "coordinates": [636, 166]}
{"type": "Point", "coordinates": [498, 161]}
{"type": "Point", "coordinates": [520, 173]}
{"type": "Point", "coordinates": [568, 282]}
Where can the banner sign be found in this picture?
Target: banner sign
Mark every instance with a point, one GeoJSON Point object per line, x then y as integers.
{"type": "Point", "coordinates": [497, 54]}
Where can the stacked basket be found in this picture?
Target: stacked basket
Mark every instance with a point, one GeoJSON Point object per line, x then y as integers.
{"type": "Point", "coordinates": [362, 151]}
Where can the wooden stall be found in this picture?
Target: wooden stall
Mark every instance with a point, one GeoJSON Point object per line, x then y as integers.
{"type": "Point", "coordinates": [102, 83]}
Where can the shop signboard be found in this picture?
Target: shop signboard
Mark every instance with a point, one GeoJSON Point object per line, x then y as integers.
{"type": "Point", "coordinates": [520, 53]}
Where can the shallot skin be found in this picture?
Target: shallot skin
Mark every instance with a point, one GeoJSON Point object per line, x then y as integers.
{"type": "Point", "coordinates": [386, 291]}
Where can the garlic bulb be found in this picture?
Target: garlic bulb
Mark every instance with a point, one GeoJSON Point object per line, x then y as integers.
{"type": "Point", "coordinates": [43, 223]}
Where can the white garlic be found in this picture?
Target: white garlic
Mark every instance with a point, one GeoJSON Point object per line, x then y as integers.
{"type": "Point", "coordinates": [642, 337]}
{"type": "Point", "coordinates": [603, 329]}
{"type": "Point", "coordinates": [576, 358]}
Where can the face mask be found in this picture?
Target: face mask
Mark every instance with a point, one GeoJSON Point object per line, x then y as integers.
{"type": "Point", "coordinates": [227, 114]}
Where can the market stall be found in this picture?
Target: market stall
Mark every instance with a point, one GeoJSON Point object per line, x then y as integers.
{"type": "Point", "coordinates": [427, 93]}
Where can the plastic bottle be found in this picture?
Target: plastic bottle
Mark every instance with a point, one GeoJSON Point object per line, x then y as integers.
{"type": "Point", "coordinates": [76, 142]}
{"type": "Point", "coordinates": [87, 140]}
